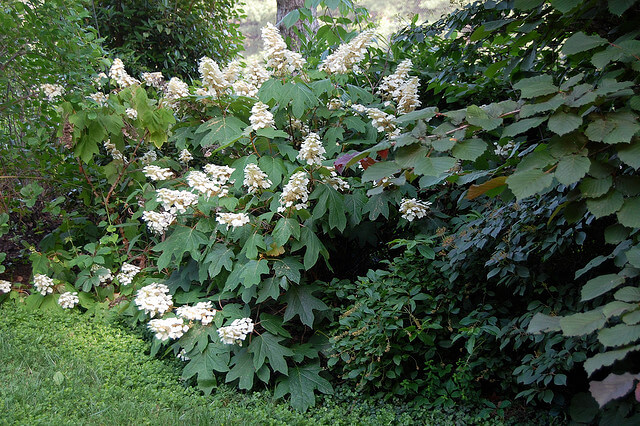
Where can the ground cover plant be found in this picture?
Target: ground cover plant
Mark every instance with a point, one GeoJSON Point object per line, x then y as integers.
{"type": "Point", "coordinates": [442, 220]}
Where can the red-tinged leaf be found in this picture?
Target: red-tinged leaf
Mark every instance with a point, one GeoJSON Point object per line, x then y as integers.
{"type": "Point", "coordinates": [366, 162]}
{"type": "Point", "coordinates": [384, 154]}
{"type": "Point", "coordinates": [638, 392]}
{"type": "Point", "coordinates": [612, 387]}
{"type": "Point", "coordinates": [341, 162]}
{"type": "Point", "coordinates": [477, 190]}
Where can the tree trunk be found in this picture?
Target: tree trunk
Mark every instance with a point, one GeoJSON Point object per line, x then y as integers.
{"type": "Point", "coordinates": [286, 6]}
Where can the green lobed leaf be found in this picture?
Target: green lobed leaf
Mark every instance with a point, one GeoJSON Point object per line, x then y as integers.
{"type": "Point", "coordinates": [284, 229]}
{"type": "Point", "coordinates": [288, 267]}
{"type": "Point", "coordinates": [301, 302]}
{"type": "Point", "coordinates": [215, 357]}
{"type": "Point", "coordinates": [267, 346]}
{"type": "Point", "coordinates": [580, 42]}
{"type": "Point", "coordinates": [221, 130]}
{"type": "Point", "coordinates": [183, 239]}
{"type": "Point", "coordinates": [242, 369]}
{"type": "Point", "coordinates": [600, 285]}
{"type": "Point", "coordinates": [273, 324]}
{"type": "Point", "coordinates": [301, 384]}
{"type": "Point", "coordinates": [420, 114]}
{"type": "Point", "coordinates": [380, 170]}
{"type": "Point", "coordinates": [249, 274]}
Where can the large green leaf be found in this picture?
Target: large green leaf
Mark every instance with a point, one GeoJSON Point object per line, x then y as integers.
{"type": "Point", "coordinates": [220, 256]}
{"type": "Point", "coordinates": [605, 205]}
{"type": "Point", "coordinates": [543, 323]}
{"type": "Point", "coordinates": [633, 256]}
{"type": "Point", "coordinates": [618, 127]}
{"type": "Point", "coordinates": [249, 274]}
{"type": "Point", "coordinates": [526, 183]}
{"type": "Point", "coordinates": [594, 188]}
{"type": "Point", "coordinates": [380, 170]}
{"type": "Point", "coordinates": [313, 245]}
{"type": "Point", "coordinates": [242, 369]}
{"type": "Point", "coordinates": [285, 228]}
{"type": "Point", "coordinates": [469, 149]}
{"type": "Point", "coordinates": [288, 267]}
{"type": "Point", "coordinates": [434, 166]}
{"type": "Point", "coordinates": [267, 346]}
{"type": "Point", "coordinates": [628, 294]}
{"type": "Point", "coordinates": [536, 86]}
{"type": "Point", "coordinates": [607, 358]}
{"type": "Point", "coordinates": [301, 384]}
{"type": "Point", "coordinates": [582, 323]}
{"type": "Point", "coordinates": [618, 7]}
{"type": "Point", "coordinates": [619, 335]}
{"type": "Point", "coordinates": [600, 285]}
{"type": "Point", "coordinates": [476, 116]}
{"type": "Point", "coordinates": [301, 302]}
{"type": "Point", "coordinates": [522, 126]}
{"type": "Point", "coordinates": [571, 169]}
{"type": "Point", "coordinates": [630, 154]}
{"type": "Point", "coordinates": [182, 239]}
{"type": "Point", "coordinates": [628, 214]}
{"type": "Point", "coordinates": [214, 357]}
{"type": "Point", "coordinates": [580, 42]}
{"type": "Point", "coordinates": [330, 200]}
{"type": "Point", "coordinates": [563, 123]}
{"type": "Point", "coordinates": [221, 130]}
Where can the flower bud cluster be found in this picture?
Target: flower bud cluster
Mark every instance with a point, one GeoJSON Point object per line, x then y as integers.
{"type": "Point", "coordinates": [212, 77]}
{"type": "Point", "coordinates": [169, 328]}
{"type": "Point", "coordinates": [412, 208]}
{"type": "Point", "coordinates": [68, 300]}
{"type": "Point", "coordinates": [348, 55]}
{"type": "Point", "coordinates": [261, 117]}
{"type": "Point", "coordinates": [154, 299]}
{"type": "Point", "coordinates": [131, 113]}
{"type": "Point", "coordinates": [175, 201]}
{"type": "Point", "coordinates": [232, 219]}
{"type": "Point", "coordinates": [43, 284]}
{"type": "Point", "coordinates": [312, 150]}
{"type": "Point", "coordinates": [156, 173]}
{"type": "Point", "coordinates": [401, 88]}
{"type": "Point", "coordinates": [119, 74]}
{"type": "Point", "coordinates": [504, 150]}
{"type": "Point", "coordinates": [175, 90]}
{"type": "Point", "coordinates": [158, 222]}
{"type": "Point", "coordinates": [209, 187]}
{"type": "Point", "coordinates": [102, 273]}
{"type": "Point", "coordinates": [149, 157]}
{"type": "Point", "coordinates": [219, 174]}
{"type": "Point", "coordinates": [201, 311]}
{"type": "Point", "coordinates": [236, 332]}
{"type": "Point", "coordinates": [295, 193]}
{"type": "Point", "coordinates": [154, 79]}
{"type": "Point", "coordinates": [255, 179]}
{"type": "Point", "coordinates": [335, 181]}
{"type": "Point", "coordinates": [127, 273]}
{"type": "Point", "coordinates": [99, 98]}
{"type": "Point", "coordinates": [185, 156]}
{"type": "Point", "coordinates": [52, 91]}
{"type": "Point", "coordinates": [281, 60]}
{"type": "Point", "coordinates": [113, 151]}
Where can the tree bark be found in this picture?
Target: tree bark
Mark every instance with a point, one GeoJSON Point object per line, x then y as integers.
{"type": "Point", "coordinates": [283, 8]}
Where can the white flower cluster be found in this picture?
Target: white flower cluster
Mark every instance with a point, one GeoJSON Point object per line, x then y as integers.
{"type": "Point", "coordinates": [295, 191]}
{"type": "Point", "coordinates": [401, 88]}
{"type": "Point", "coordinates": [170, 328]}
{"type": "Point", "coordinates": [334, 104]}
{"type": "Point", "coordinates": [43, 284]}
{"type": "Point", "coordinates": [154, 299]}
{"type": "Point", "coordinates": [98, 78]}
{"type": "Point", "coordinates": [280, 59]}
{"type": "Point", "coordinates": [156, 173]}
{"type": "Point", "coordinates": [232, 219]}
{"type": "Point", "coordinates": [99, 98]}
{"type": "Point", "coordinates": [131, 113]}
{"type": "Point", "coordinates": [201, 311]}
{"type": "Point", "coordinates": [212, 77]}
{"type": "Point", "coordinates": [127, 273]}
{"type": "Point", "coordinates": [175, 201]}
{"type": "Point", "coordinates": [209, 187]}
{"type": "Point", "coordinates": [149, 157]}
{"type": "Point", "coordinates": [103, 273]}
{"type": "Point", "coordinates": [113, 151]}
{"type": "Point", "coordinates": [175, 90]}
{"type": "Point", "coordinates": [382, 121]}
{"type": "Point", "coordinates": [348, 55]}
{"type": "Point", "coordinates": [182, 355]}
{"type": "Point", "coordinates": [504, 150]}
{"type": "Point", "coordinates": [119, 74]}
{"type": "Point", "coordinates": [335, 181]}
{"type": "Point", "coordinates": [5, 286]}
{"type": "Point", "coordinates": [254, 76]}
{"type": "Point", "coordinates": [255, 179]}
{"type": "Point", "coordinates": [68, 300]}
{"type": "Point", "coordinates": [261, 117]}
{"type": "Point", "coordinates": [52, 91]}
{"type": "Point", "coordinates": [311, 150]}
{"type": "Point", "coordinates": [236, 332]}
{"type": "Point", "coordinates": [154, 79]}
{"type": "Point", "coordinates": [185, 156]}
{"type": "Point", "coordinates": [219, 174]}
{"type": "Point", "coordinates": [412, 208]}
{"type": "Point", "coordinates": [158, 222]}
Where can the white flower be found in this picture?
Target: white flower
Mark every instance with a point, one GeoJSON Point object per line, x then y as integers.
{"type": "Point", "coordinates": [391, 83]}
{"type": "Point", "coordinates": [255, 74]}
{"type": "Point", "coordinates": [176, 201]}
{"type": "Point", "coordinates": [154, 79]}
{"type": "Point", "coordinates": [202, 311]}
{"type": "Point", "coordinates": [381, 121]}
{"type": "Point", "coordinates": [68, 300]}
{"type": "Point", "coordinates": [504, 150]}
{"type": "Point", "coordinates": [211, 76]}
{"type": "Point", "coordinates": [113, 151]}
{"type": "Point", "coordinates": [295, 191]}
{"type": "Point", "coordinates": [185, 156]}
{"type": "Point", "coordinates": [335, 181]}
{"type": "Point", "coordinates": [232, 71]}
{"type": "Point", "coordinates": [131, 113]}
{"type": "Point", "coordinates": [175, 90]}
{"type": "Point", "coordinates": [154, 299]}
{"type": "Point", "coordinates": [170, 328]}
{"type": "Point", "coordinates": [43, 284]}
{"type": "Point", "coordinates": [236, 332]}
{"type": "Point", "coordinates": [119, 74]}
{"type": "Point", "coordinates": [182, 355]}
{"type": "Point", "coordinates": [242, 88]}
{"type": "Point", "coordinates": [261, 117]}
{"type": "Point", "coordinates": [156, 173]}
{"type": "Point", "coordinates": [334, 104]}
{"type": "Point", "coordinates": [414, 209]}
{"type": "Point", "coordinates": [127, 273]}
{"type": "Point", "coordinates": [280, 59]}
{"type": "Point", "coordinates": [103, 273]}
{"type": "Point", "coordinates": [99, 98]}
{"type": "Point", "coordinates": [98, 78]}
{"type": "Point", "coordinates": [158, 222]}
{"type": "Point", "coordinates": [348, 55]}
{"type": "Point", "coordinates": [52, 91]}
{"type": "Point", "coordinates": [407, 96]}
{"type": "Point", "coordinates": [209, 187]}
{"type": "Point", "coordinates": [149, 157]}
{"type": "Point", "coordinates": [232, 219]}
{"type": "Point", "coordinates": [219, 174]}
{"type": "Point", "coordinates": [312, 150]}
{"type": "Point", "coordinates": [255, 179]}
{"type": "Point", "coordinates": [360, 109]}
{"type": "Point", "coordinates": [5, 286]}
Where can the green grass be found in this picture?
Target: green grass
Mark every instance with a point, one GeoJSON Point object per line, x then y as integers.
{"type": "Point", "coordinates": [67, 368]}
